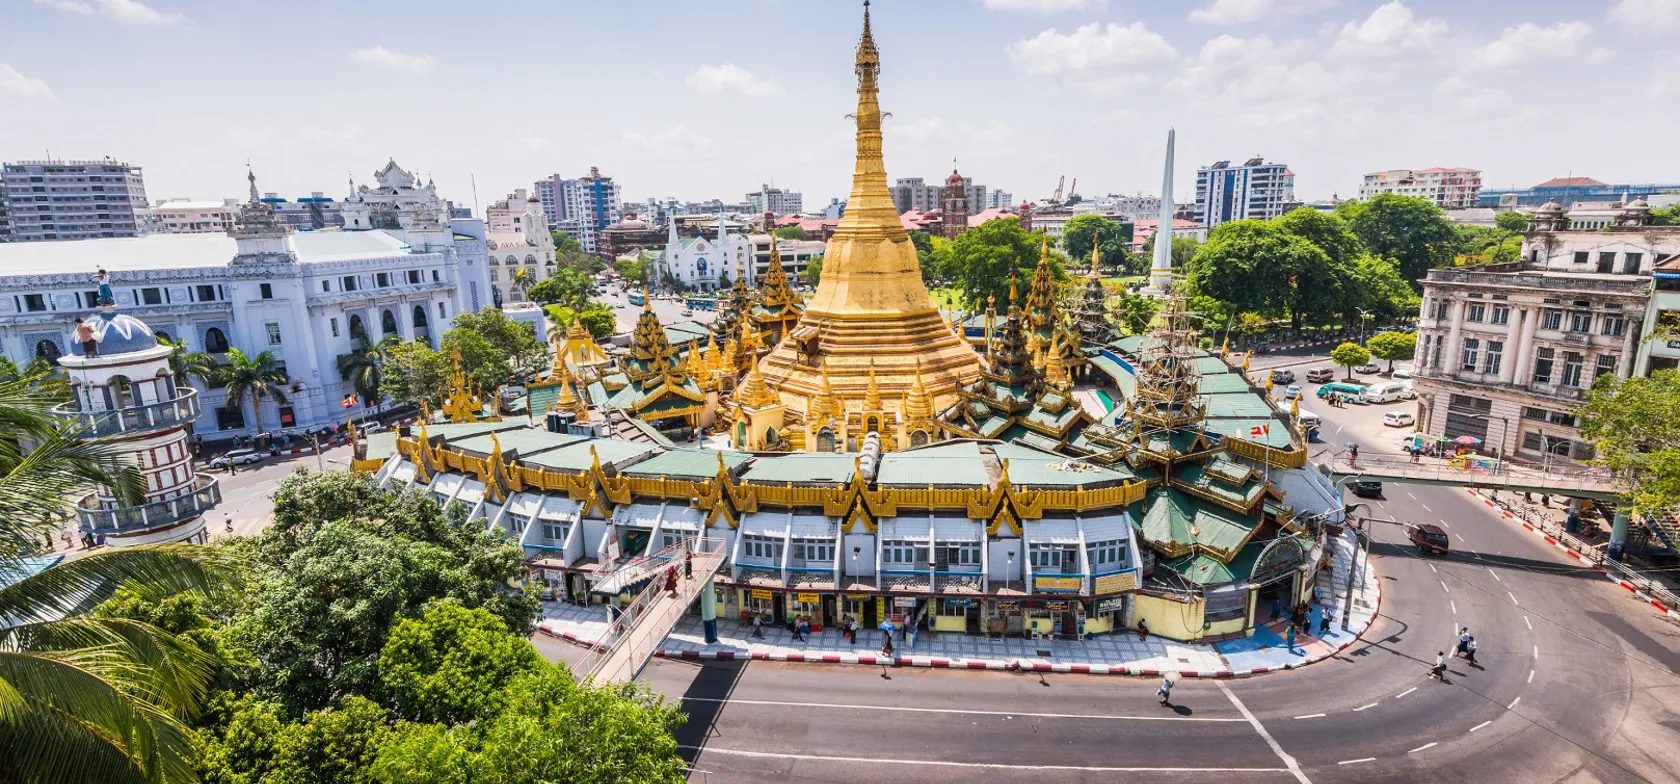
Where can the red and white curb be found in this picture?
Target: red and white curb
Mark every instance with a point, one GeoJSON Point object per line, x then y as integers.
{"type": "Point", "coordinates": [1553, 541]}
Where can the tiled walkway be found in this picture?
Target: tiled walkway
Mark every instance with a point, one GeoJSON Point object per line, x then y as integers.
{"type": "Point", "coordinates": [1109, 653]}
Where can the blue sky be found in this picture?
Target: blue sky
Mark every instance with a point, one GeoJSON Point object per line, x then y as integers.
{"type": "Point", "coordinates": [701, 100]}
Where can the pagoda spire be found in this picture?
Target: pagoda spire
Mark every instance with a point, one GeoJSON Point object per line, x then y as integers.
{"type": "Point", "coordinates": [823, 404]}
{"type": "Point", "coordinates": [872, 398]}
{"type": "Point", "coordinates": [918, 404]}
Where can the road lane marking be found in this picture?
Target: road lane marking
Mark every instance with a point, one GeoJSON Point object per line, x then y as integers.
{"type": "Point", "coordinates": [1288, 761]}
{"type": "Point", "coordinates": [1513, 597]}
{"type": "Point", "coordinates": [1494, 573]}
{"type": "Point", "coordinates": [1513, 705]}
{"type": "Point", "coordinates": [1426, 508]}
{"type": "Point", "coordinates": [1445, 523]}
{"type": "Point", "coordinates": [1530, 676]}
{"type": "Point", "coordinates": [1311, 716]}
{"type": "Point", "coordinates": [1526, 623]}
{"type": "Point", "coordinates": [1361, 759]}
{"type": "Point", "coordinates": [1430, 745]}
{"type": "Point", "coordinates": [1536, 651]}
{"type": "Point", "coordinates": [1409, 495]}
{"type": "Point", "coordinates": [1406, 692]}
{"type": "Point", "coordinates": [1454, 606]}
{"type": "Point", "coordinates": [878, 760]}
{"type": "Point", "coordinates": [1363, 707]}
{"type": "Point", "coordinates": [1444, 586]}
{"type": "Point", "coordinates": [958, 711]}
{"type": "Point", "coordinates": [1459, 535]}
{"type": "Point", "coordinates": [1433, 569]}
{"type": "Point", "coordinates": [1479, 726]}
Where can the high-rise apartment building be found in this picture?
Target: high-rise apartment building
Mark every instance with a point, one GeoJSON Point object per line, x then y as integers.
{"type": "Point", "coordinates": [913, 193]}
{"type": "Point", "coordinates": [1252, 189]}
{"type": "Point", "coordinates": [776, 200]}
{"type": "Point", "coordinates": [582, 208]}
{"type": "Point", "coordinates": [1000, 200]}
{"type": "Point", "coordinates": [1451, 188]}
{"type": "Point", "coordinates": [73, 200]}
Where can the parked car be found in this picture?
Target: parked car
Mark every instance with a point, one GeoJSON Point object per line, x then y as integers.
{"type": "Point", "coordinates": [1406, 391]}
{"type": "Point", "coordinates": [1320, 375]}
{"type": "Point", "coordinates": [1310, 424]}
{"type": "Point", "coordinates": [1399, 419]}
{"type": "Point", "coordinates": [687, 312]}
{"type": "Point", "coordinates": [1291, 392]}
{"type": "Point", "coordinates": [1283, 376]}
{"type": "Point", "coordinates": [1385, 392]}
{"type": "Point", "coordinates": [1402, 374]}
{"type": "Point", "coordinates": [1368, 367]}
{"type": "Point", "coordinates": [1429, 538]}
{"type": "Point", "coordinates": [238, 457]}
{"type": "Point", "coordinates": [1366, 489]}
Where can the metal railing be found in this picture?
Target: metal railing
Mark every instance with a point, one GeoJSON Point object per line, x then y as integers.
{"type": "Point", "coordinates": [183, 409]}
{"type": "Point", "coordinates": [1592, 553]}
{"type": "Point", "coordinates": [98, 519]}
{"type": "Point", "coordinates": [630, 640]}
{"type": "Point", "coordinates": [1480, 472]}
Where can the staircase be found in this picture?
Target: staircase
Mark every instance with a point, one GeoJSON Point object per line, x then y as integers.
{"type": "Point", "coordinates": [1667, 528]}
{"type": "Point", "coordinates": [632, 639]}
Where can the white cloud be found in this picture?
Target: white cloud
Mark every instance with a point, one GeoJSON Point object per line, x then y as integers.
{"type": "Point", "coordinates": [130, 12]}
{"type": "Point", "coordinates": [1389, 30]}
{"type": "Point", "coordinates": [1227, 12]}
{"type": "Point", "coordinates": [1647, 17]}
{"type": "Point", "coordinates": [1044, 6]}
{"type": "Point", "coordinates": [1665, 83]}
{"type": "Point", "coordinates": [1529, 41]}
{"type": "Point", "coordinates": [336, 136]}
{"type": "Point", "coordinates": [1091, 48]}
{"type": "Point", "coordinates": [14, 83]}
{"type": "Point", "coordinates": [729, 77]}
{"type": "Point", "coordinates": [672, 144]}
{"type": "Point", "coordinates": [1255, 70]}
{"type": "Point", "coordinates": [396, 61]}
{"type": "Point", "coordinates": [916, 132]}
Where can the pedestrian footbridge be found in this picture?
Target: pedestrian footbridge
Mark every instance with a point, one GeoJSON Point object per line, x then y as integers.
{"type": "Point", "coordinates": [631, 640]}
{"type": "Point", "coordinates": [1571, 481]}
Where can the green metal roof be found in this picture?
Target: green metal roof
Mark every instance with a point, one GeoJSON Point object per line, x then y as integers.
{"type": "Point", "coordinates": [1209, 366]}
{"type": "Point", "coordinates": [687, 463]}
{"type": "Point", "coordinates": [1243, 404]}
{"type": "Point", "coordinates": [1036, 468]}
{"type": "Point", "coordinates": [527, 440]}
{"type": "Point", "coordinates": [1202, 569]}
{"type": "Point", "coordinates": [825, 468]}
{"type": "Point", "coordinates": [955, 464]}
{"type": "Point", "coordinates": [1243, 494]}
{"type": "Point", "coordinates": [575, 456]}
{"type": "Point", "coordinates": [1222, 383]}
{"type": "Point", "coordinates": [1277, 435]}
{"type": "Point", "coordinates": [381, 446]}
{"type": "Point", "coordinates": [1174, 516]}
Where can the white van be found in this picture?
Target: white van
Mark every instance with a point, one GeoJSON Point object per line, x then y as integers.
{"type": "Point", "coordinates": [1385, 392]}
{"type": "Point", "coordinates": [1310, 424]}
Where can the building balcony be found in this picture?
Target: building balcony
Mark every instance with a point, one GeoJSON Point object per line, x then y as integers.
{"type": "Point", "coordinates": [96, 518]}
{"type": "Point", "coordinates": [134, 419]}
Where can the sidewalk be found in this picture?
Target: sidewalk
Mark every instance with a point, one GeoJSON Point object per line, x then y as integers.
{"type": "Point", "coordinates": [1108, 654]}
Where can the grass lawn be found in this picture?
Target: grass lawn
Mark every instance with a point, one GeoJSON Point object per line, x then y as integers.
{"type": "Point", "coordinates": [946, 297]}
{"type": "Point", "coordinates": [1125, 281]}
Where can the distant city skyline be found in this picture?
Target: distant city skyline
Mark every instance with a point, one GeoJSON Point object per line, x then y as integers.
{"type": "Point", "coordinates": [719, 99]}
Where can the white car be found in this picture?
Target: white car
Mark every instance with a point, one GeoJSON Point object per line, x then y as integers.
{"type": "Point", "coordinates": [239, 456]}
{"type": "Point", "coordinates": [1407, 393]}
{"type": "Point", "coordinates": [1398, 419]}
{"type": "Point", "coordinates": [1402, 374]}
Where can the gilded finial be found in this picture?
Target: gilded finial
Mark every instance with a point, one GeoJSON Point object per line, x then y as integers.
{"type": "Point", "coordinates": [1013, 294]}
{"type": "Point", "coordinates": [1096, 257]}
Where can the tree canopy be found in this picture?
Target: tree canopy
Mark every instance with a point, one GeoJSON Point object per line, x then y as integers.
{"type": "Point", "coordinates": [494, 348]}
{"type": "Point", "coordinates": [1392, 346]}
{"type": "Point", "coordinates": [566, 286]}
{"type": "Point", "coordinates": [812, 274]}
{"type": "Point", "coordinates": [1183, 250]}
{"type": "Point", "coordinates": [1511, 221]}
{"type": "Point", "coordinates": [1411, 230]}
{"type": "Point", "coordinates": [1631, 425]}
{"type": "Point", "coordinates": [1350, 356]}
{"type": "Point", "coordinates": [792, 233]}
{"type": "Point", "coordinates": [1260, 266]}
{"type": "Point", "coordinates": [984, 257]}
{"type": "Point", "coordinates": [1084, 232]}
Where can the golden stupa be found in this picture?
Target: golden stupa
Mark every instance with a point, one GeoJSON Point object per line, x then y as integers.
{"type": "Point", "coordinates": [871, 321]}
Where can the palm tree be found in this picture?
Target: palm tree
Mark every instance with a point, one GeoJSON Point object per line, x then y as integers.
{"type": "Point", "coordinates": [84, 698]}
{"type": "Point", "coordinates": [255, 378]}
{"type": "Point", "coordinates": [186, 364]}
{"type": "Point", "coordinates": [364, 364]}
{"type": "Point", "coordinates": [523, 280]}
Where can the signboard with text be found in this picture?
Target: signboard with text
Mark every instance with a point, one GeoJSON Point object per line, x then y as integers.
{"type": "Point", "coordinates": [1056, 585]}
{"type": "Point", "coordinates": [1114, 583]}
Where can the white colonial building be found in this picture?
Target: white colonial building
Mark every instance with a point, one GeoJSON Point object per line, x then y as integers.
{"type": "Point", "coordinates": [1507, 352]}
{"type": "Point", "coordinates": [259, 287]}
{"type": "Point", "coordinates": [707, 264]}
{"type": "Point", "coordinates": [518, 243]}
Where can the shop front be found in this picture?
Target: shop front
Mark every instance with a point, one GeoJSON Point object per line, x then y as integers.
{"type": "Point", "coordinates": [960, 614]}
{"type": "Point", "coordinates": [1106, 611]}
{"type": "Point", "coordinates": [866, 608]}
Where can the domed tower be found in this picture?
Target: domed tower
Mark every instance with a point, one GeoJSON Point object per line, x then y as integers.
{"type": "Point", "coordinates": [955, 205]}
{"type": "Point", "coordinates": [124, 392]}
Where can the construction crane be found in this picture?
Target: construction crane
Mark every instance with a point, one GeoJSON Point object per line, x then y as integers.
{"type": "Point", "coordinates": [1073, 192]}
{"type": "Point", "coordinates": [1056, 198]}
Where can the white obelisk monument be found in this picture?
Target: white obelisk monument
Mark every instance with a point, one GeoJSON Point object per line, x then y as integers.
{"type": "Point", "coordinates": [1160, 270]}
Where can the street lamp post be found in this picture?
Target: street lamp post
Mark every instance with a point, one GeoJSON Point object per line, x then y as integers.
{"type": "Point", "coordinates": [1364, 316]}
{"type": "Point", "coordinates": [1504, 430]}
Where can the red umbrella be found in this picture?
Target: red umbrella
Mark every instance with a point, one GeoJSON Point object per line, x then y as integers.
{"type": "Point", "coordinates": [1468, 441]}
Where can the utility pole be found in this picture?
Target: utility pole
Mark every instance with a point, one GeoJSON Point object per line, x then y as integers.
{"type": "Point", "coordinates": [1356, 565]}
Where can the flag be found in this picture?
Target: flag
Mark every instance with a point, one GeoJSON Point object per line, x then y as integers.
{"type": "Point", "coordinates": [1259, 431]}
{"type": "Point", "coordinates": [349, 400]}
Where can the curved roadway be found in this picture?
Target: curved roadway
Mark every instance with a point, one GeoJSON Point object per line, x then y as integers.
{"type": "Point", "coordinates": [1576, 681]}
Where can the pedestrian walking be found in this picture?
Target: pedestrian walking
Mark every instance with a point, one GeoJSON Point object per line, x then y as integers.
{"type": "Point", "coordinates": [799, 629]}
{"type": "Point", "coordinates": [671, 580]}
{"type": "Point", "coordinates": [852, 626]}
{"type": "Point", "coordinates": [688, 565]}
{"type": "Point", "coordinates": [1439, 671]}
{"type": "Point", "coordinates": [1324, 619]}
{"type": "Point", "coordinates": [886, 644]}
{"type": "Point", "coordinates": [1165, 692]}
{"type": "Point", "coordinates": [227, 522]}
{"type": "Point", "coordinates": [758, 626]}
{"type": "Point", "coordinates": [1143, 628]}
{"type": "Point", "coordinates": [1463, 642]}
{"type": "Point", "coordinates": [1470, 650]}
{"type": "Point", "coordinates": [1289, 638]}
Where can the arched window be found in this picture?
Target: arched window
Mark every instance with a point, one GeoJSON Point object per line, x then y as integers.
{"type": "Point", "coordinates": [419, 316]}
{"type": "Point", "coordinates": [119, 393]}
{"type": "Point", "coordinates": [388, 322]}
{"type": "Point", "coordinates": [215, 341]}
{"type": "Point", "coordinates": [162, 337]}
{"type": "Point", "coordinates": [530, 259]}
{"type": "Point", "coordinates": [919, 438]}
{"type": "Point", "coordinates": [356, 325]}
{"type": "Point", "coordinates": [48, 351]}
{"type": "Point", "coordinates": [512, 260]}
{"type": "Point", "coordinates": [825, 440]}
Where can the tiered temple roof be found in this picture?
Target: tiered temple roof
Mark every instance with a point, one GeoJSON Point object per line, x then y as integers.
{"type": "Point", "coordinates": [1092, 319]}
{"type": "Point", "coordinates": [659, 388]}
{"type": "Point", "coordinates": [776, 306]}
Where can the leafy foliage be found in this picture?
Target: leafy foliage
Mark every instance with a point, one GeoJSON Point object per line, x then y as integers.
{"type": "Point", "coordinates": [1392, 346]}
{"type": "Point", "coordinates": [1350, 356]}
{"type": "Point", "coordinates": [414, 371]}
{"type": "Point", "coordinates": [1133, 312]}
{"type": "Point", "coordinates": [1411, 230]}
{"type": "Point", "coordinates": [986, 255]}
{"type": "Point", "coordinates": [494, 348]}
{"type": "Point", "coordinates": [186, 365]}
{"type": "Point", "coordinates": [451, 664]}
{"type": "Point", "coordinates": [1084, 232]}
{"type": "Point", "coordinates": [1259, 266]}
{"type": "Point", "coordinates": [1631, 424]}
{"type": "Point", "coordinates": [566, 286]}
{"type": "Point", "coordinates": [792, 233]}
{"type": "Point", "coordinates": [1511, 221]}
{"type": "Point", "coordinates": [565, 245]}
{"type": "Point", "coordinates": [254, 378]}
{"type": "Point", "coordinates": [1482, 245]}
{"type": "Point", "coordinates": [1183, 250]}
{"type": "Point", "coordinates": [812, 274]}
{"type": "Point", "coordinates": [364, 366]}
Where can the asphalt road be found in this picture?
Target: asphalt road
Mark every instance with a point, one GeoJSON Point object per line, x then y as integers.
{"type": "Point", "coordinates": [1575, 682]}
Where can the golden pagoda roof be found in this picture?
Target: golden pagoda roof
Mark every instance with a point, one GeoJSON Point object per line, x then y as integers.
{"type": "Point", "coordinates": [918, 404]}
{"type": "Point", "coordinates": [871, 398]}
{"type": "Point", "coordinates": [579, 348]}
{"type": "Point", "coordinates": [823, 405]}
{"type": "Point", "coordinates": [755, 393]}
{"type": "Point", "coordinates": [775, 294]}
{"type": "Point", "coordinates": [1041, 298]}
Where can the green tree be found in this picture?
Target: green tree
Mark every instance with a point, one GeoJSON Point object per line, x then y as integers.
{"type": "Point", "coordinates": [925, 258]}
{"type": "Point", "coordinates": [1392, 346]}
{"type": "Point", "coordinates": [522, 280]}
{"type": "Point", "coordinates": [365, 364]}
{"type": "Point", "coordinates": [1327, 231]}
{"type": "Point", "coordinates": [987, 255]}
{"type": "Point", "coordinates": [1631, 425]}
{"type": "Point", "coordinates": [451, 664]}
{"type": "Point", "coordinates": [565, 246]}
{"type": "Point", "coordinates": [413, 371]}
{"type": "Point", "coordinates": [597, 318]}
{"type": "Point", "coordinates": [1511, 221]}
{"type": "Point", "coordinates": [1411, 230]}
{"type": "Point", "coordinates": [494, 348]}
{"type": "Point", "coordinates": [566, 286]}
{"type": "Point", "coordinates": [1084, 232]}
{"type": "Point", "coordinates": [1666, 216]}
{"type": "Point", "coordinates": [1183, 250]}
{"type": "Point", "coordinates": [634, 269]}
{"type": "Point", "coordinates": [812, 274]}
{"type": "Point", "coordinates": [1482, 245]}
{"type": "Point", "coordinates": [1133, 312]}
{"type": "Point", "coordinates": [1377, 288]}
{"type": "Point", "coordinates": [1350, 356]}
{"type": "Point", "coordinates": [254, 378]}
{"type": "Point", "coordinates": [1259, 266]}
{"type": "Point", "coordinates": [792, 233]}
{"type": "Point", "coordinates": [186, 365]}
